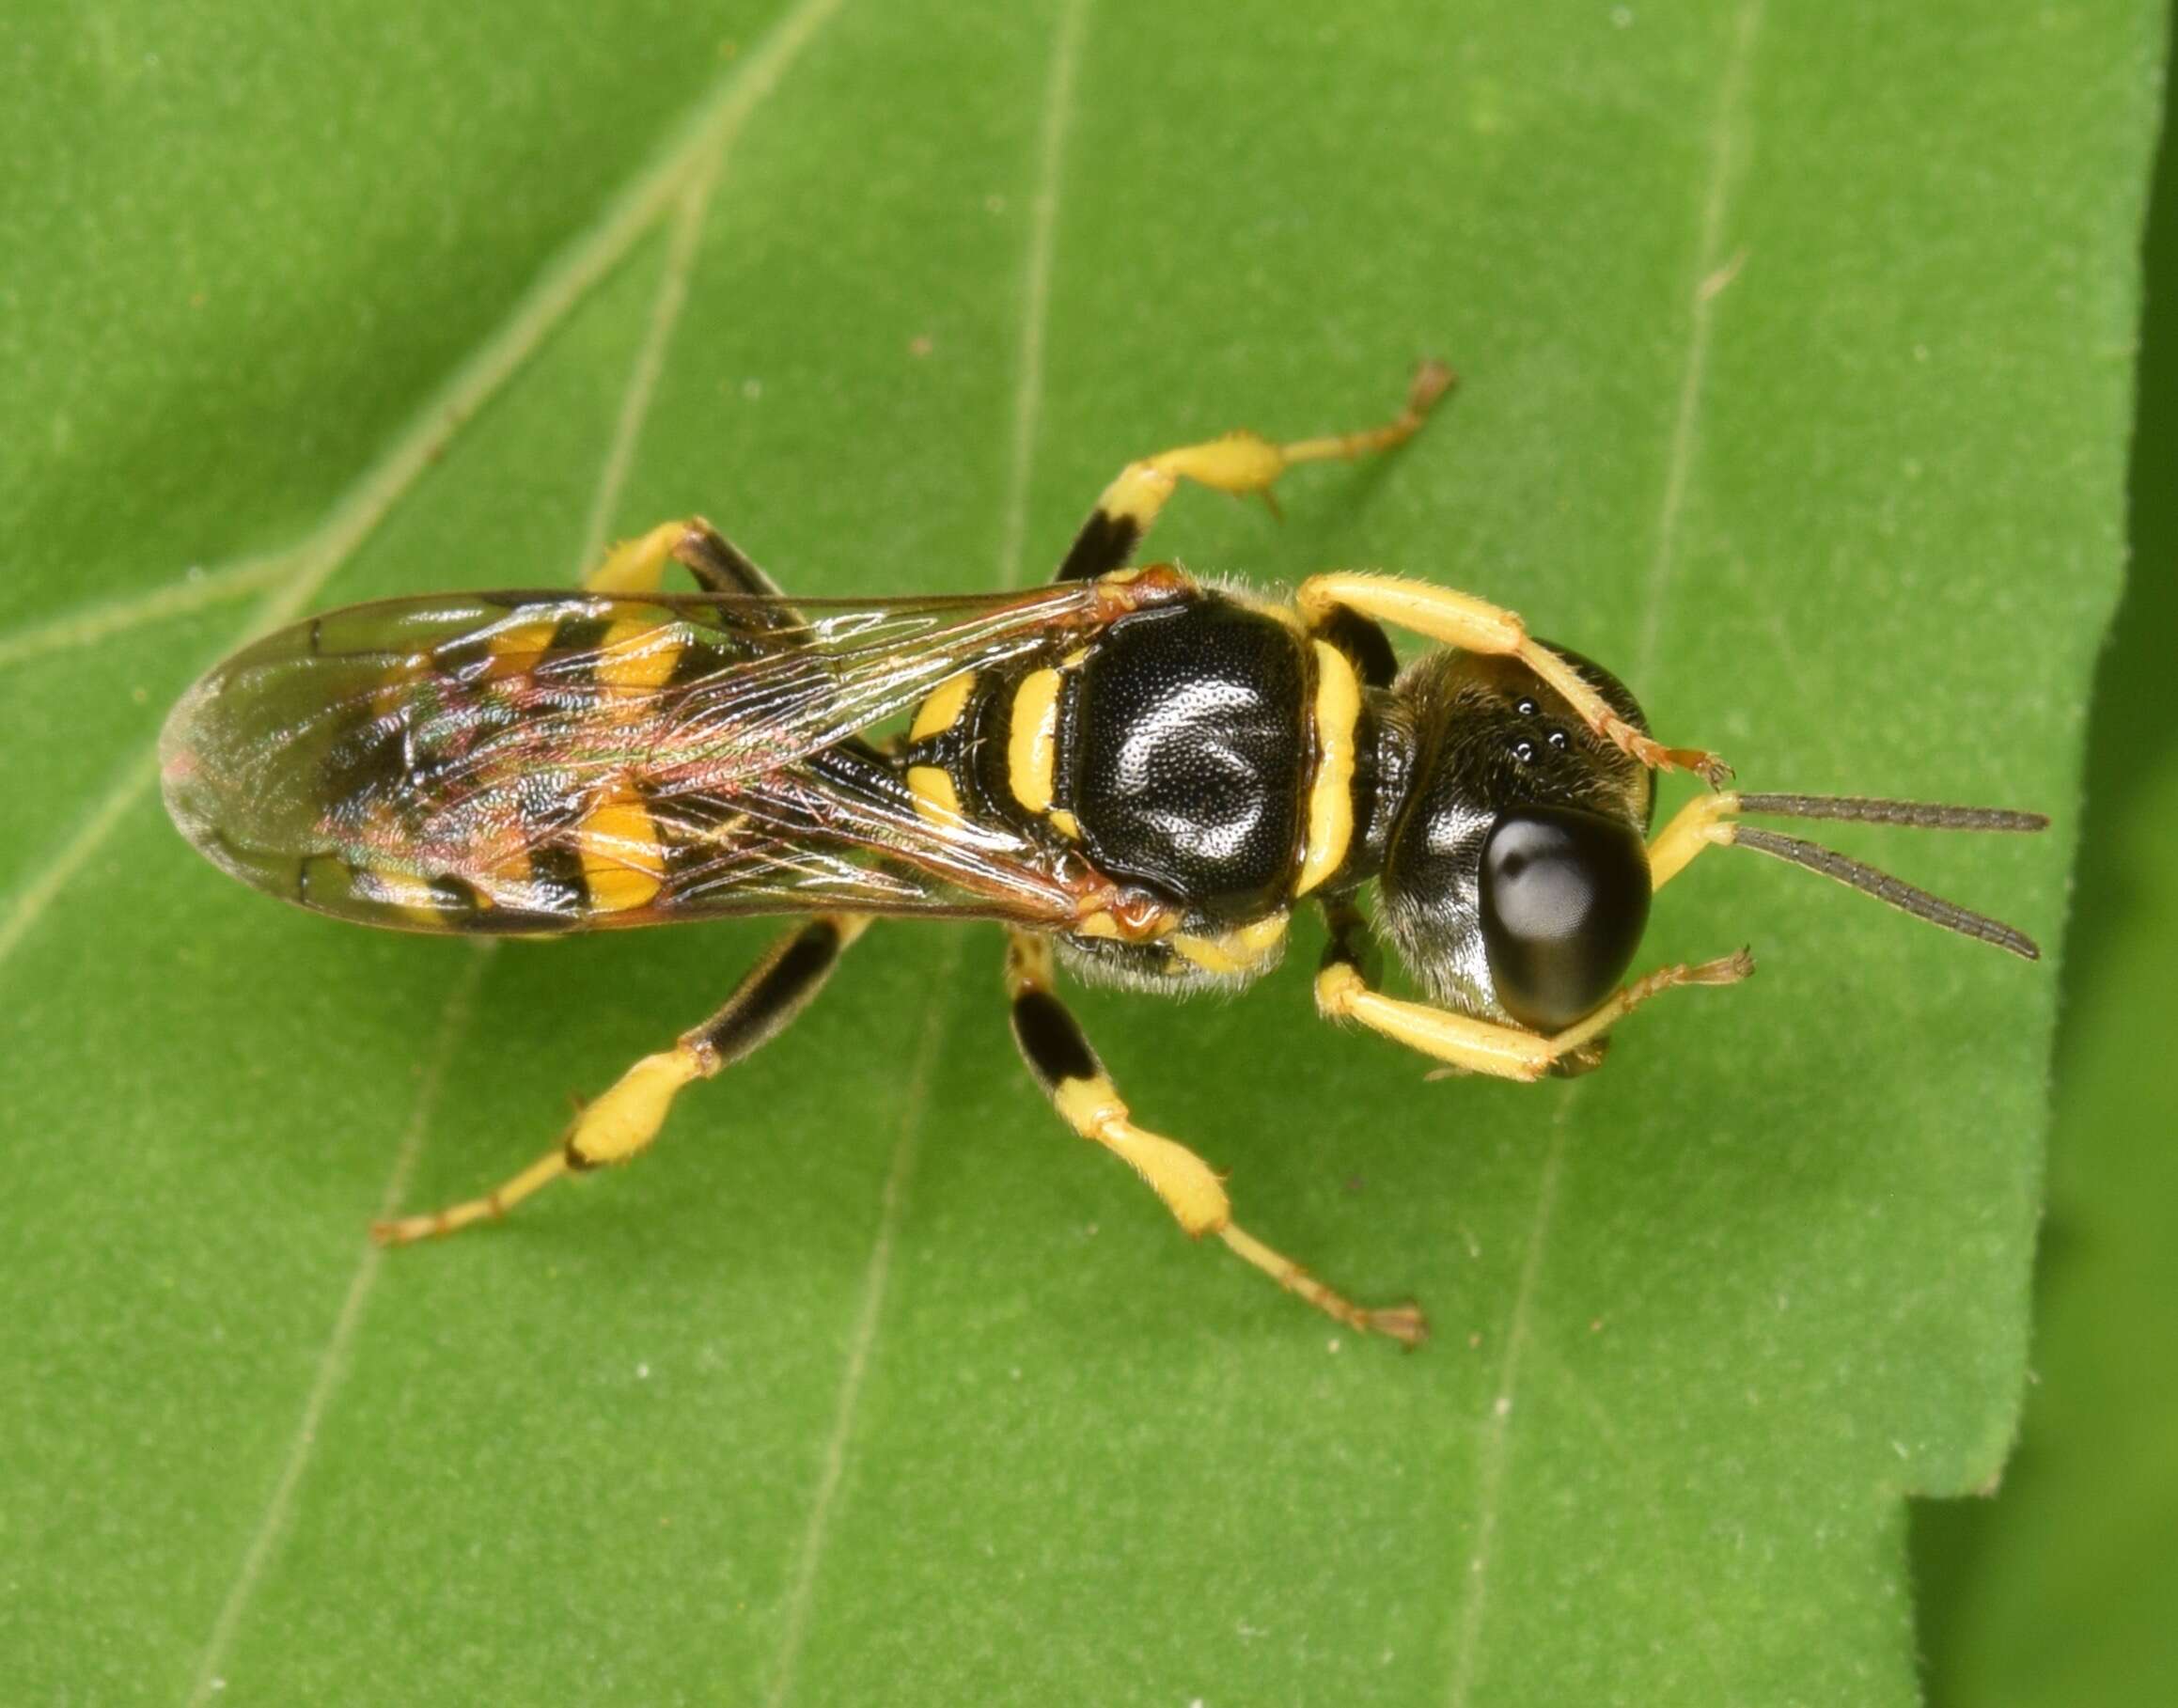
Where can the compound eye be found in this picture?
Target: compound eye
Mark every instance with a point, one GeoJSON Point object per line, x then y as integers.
{"type": "Point", "coordinates": [1564, 898]}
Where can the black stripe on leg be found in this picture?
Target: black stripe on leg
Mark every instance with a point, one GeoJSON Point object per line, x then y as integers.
{"type": "Point", "coordinates": [1364, 642]}
{"type": "Point", "coordinates": [697, 659]}
{"type": "Point", "coordinates": [720, 566]}
{"type": "Point", "coordinates": [1105, 543]}
{"type": "Point", "coordinates": [1051, 1041]}
{"type": "Point", "coordinates": [769, 1001]}
{"type": "Point", "coordinates": [1349, 939]}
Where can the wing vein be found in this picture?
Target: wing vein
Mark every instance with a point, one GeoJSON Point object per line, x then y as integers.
{"type": "Point", "coordinates": [711, 130]}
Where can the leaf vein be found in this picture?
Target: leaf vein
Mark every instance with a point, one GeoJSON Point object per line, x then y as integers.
{"type": "Point", "coordinates": [1496, 1443]}
{"type": "Point", "coordinates": [862, 1340]}
{"type": "Point", "coordinates": [87, 625]}
{"type": "Point", "coordinates": [564, 285]}
{"type": "Point", "coordinates": [650, 364]}
{"type": "Point", "coordinates": [1663, 1512]}
{"type": "Point", "coordinates": [333, 1361]}
{"type": "Point", "coordinates": [1712, 273]}
{"type": "Point", "coordinates": [1727, 141]}
{"type": "Point", "coordinates": [1027, 410]}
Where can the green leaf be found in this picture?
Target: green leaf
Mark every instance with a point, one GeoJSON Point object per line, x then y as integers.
{"type": "Point", "coordinates": [1797, 360]}
{"type": "Point", "coordinates": [2060, 1590]}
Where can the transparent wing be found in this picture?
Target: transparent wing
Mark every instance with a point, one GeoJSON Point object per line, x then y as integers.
{"type": "Point", "coordinates": [540, 762]}
{"type": "Point", "coordinates": [829, 836]}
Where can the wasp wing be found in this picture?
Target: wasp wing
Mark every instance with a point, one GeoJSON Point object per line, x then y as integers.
{"type": "Point", "coordinates": [543, 761]}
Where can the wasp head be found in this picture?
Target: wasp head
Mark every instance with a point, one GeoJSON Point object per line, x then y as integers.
{"type": "Point", "coordinates": [1515, 883]}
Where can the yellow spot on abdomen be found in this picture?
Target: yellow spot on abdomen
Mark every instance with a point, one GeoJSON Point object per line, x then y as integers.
{"type": "Point", "coordinates": [637, 654]}
{"type": "Point", "coordinates": [935, 797]}
{"type": "Point", "coordinates": [623, 863]}
{"type": "Point", "coordinates": [942, 709]}
{"type": "Point", "coordinates": [517, 648]}
{"type": "Point", "coordinates": [410, 895]}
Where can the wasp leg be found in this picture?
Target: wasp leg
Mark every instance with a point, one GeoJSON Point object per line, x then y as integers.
{"type": "Point", "coordinates": [1461, 620]}
{"type": "Point", "coordinates": [623, 1122]}
{"type": "Point", "coordinates": [1704, 822]}
{"type": "Point", "coordinates": [1052, 1044]}
{"type": "Point", "coordinates": [719, 566]}
{"type": "Point", "coordinates": [1243, 464]}
{"type": "Point", "coordinates": [1484, 1046]}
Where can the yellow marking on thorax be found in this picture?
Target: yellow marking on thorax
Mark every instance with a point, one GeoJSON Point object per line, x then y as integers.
{"type": "Point", "coordinates": [1127, 917]}
{"type": "Point", "coordinates": [1242, 949]}
{"type": "Point", "coordinates": [1280, 611]}
{"type": "Point", "coordinates": [1064, 823]}
{"type": "Point", "coordinates": [637, 654]}
{"type": "Point", "coordinates": [1330, 823]}
{"type": "Point", "coordinates": [1033, 747]}
{"type": "Point", "coordinates": [623, 862]}
{"type": "Point", "coordinates": [942, 709]}
{"type": "Point", "coordinates": [936, 798]}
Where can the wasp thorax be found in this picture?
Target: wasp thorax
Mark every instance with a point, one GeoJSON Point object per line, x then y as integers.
{"type": "Point", "coordinates": [1515, 881]}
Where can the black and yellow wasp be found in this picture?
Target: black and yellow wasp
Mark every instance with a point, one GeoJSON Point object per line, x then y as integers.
{"type": "Point", "coordinates": [1140, 775]}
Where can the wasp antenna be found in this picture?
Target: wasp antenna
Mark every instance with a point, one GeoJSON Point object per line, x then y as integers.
{"type": "Point", "coordinates": [1867, 810]}
{"type": "Point", "coordinates": [1905, 897]}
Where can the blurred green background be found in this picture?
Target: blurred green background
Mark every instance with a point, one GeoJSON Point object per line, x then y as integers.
{"type": "Point", "coordinates": [2064, 1587]}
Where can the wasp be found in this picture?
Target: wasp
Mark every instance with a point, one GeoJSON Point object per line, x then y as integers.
{"type": "Point", "coordinates": [1141, 775]}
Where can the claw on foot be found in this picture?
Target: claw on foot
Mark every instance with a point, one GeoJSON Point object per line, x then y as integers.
{"type": "Point", "coordinates": [408, 1229]}
{"type": "Point", "coordinates": [1653, 754]}
{"type": "Point", "coordinates": [1432, 380]}
{"type": "Point", "coordinates": [1404, 1324]}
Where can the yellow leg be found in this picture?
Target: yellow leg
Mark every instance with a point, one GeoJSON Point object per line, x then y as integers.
{"type": "Point", "coordinates": [1243, 464]}
{"type": "Point", "coordinates": [718, 566]}
{"type": "Point", "coordinates": [1460, 619]}
{"type": "Point", "coordinates": [1705, 822]}
{"type": "Point", "coordinates": [1052, 1044]}
{"type": "Point", "coordinates": [1483, 1046]}
{"type": "Point", "coordinates": [638, 565]}
{"type": "Point", "coordinates": [621, 1125]}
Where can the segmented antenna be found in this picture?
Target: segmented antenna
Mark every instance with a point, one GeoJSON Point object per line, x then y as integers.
{"type": "Point", "coordinates": [1867, 810]}
{"type": "Point", "coordinates": [1905, 897]}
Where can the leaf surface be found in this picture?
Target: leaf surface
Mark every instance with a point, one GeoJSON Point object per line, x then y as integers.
{"type": "Point", "coordinates": [1797, 368]}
